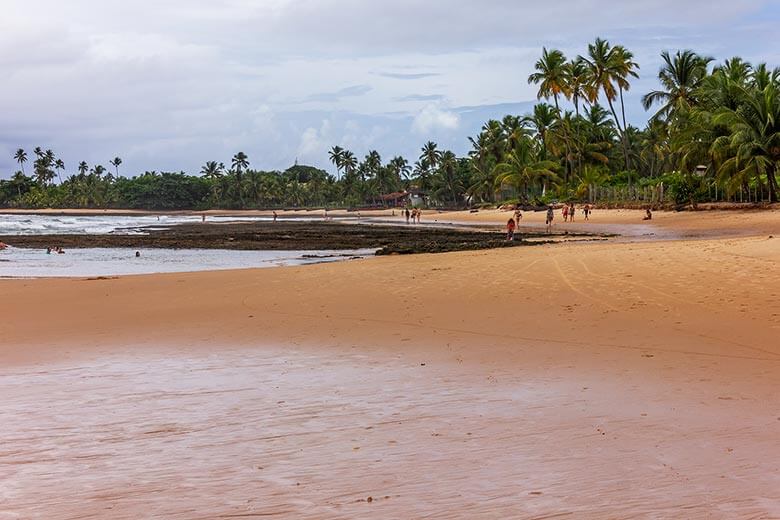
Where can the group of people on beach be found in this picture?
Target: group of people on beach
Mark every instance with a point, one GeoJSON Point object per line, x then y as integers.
{"type": "Point", "coordinates": [569, 211]}
{"type": "Point", "coordinates": [414, 214]}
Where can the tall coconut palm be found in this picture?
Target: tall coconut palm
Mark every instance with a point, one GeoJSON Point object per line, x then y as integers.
{"type": "Point", "coordinates": [552, 76]}
{"type": "Point", "coordinates": [604, 71]}
{"type": "Point", "coordinates": [625, 68]}
{"type": "Point", "coordinates": [115, 162]}
{"type": "Point", "coordinates": [578, 90]}
{"type": "Point", "coordinates": [348, 162]}
{"type": "Point", "coordinates": [430, 154]}
{"type": "Point", "coordinates": [336, 155]}
{"type": "Point", "coordinates": [21, 157]}
{"type": "Point", "coordinates": [680, 77]}
{"type": "Point", "coordinates": [240, 162]}
{"type": "Point", "coordinates": [59, 164]}
{"type": "Point", "coordinates": [83, 167]}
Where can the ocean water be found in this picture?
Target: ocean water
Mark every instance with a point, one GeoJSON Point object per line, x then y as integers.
{"type": "Point", "coordinates": [105, 224]}
{"type": "Point", "coordinates": [89, 262]}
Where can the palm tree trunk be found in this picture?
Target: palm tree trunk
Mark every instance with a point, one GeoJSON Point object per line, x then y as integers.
{"type": "Point", "coordinates": [565, 140]}
{"type": "Point", "coordinates": [625, 125]}
{"type": "Point", "coordinates": [622, 133]}
{"type": "Point", "coordinates": [579, 155]}
{"type": "Point", "coordinates": [771, 181]}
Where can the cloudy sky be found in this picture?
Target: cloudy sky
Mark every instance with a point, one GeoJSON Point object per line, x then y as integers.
{"type": "Point", "coordinates": [170, 84]}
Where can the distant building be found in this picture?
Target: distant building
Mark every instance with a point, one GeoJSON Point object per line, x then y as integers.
{"type": "Point", "coordinates": [413, 197]}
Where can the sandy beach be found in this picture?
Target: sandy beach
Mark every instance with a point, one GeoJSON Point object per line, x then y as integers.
{"type": "Point", "coordinates": [635, 378]}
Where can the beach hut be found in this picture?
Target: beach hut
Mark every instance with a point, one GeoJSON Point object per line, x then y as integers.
{"type": "Point", "coordinates": [396, 199]}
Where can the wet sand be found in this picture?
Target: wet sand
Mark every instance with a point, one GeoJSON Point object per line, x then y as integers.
{"type": "Point", "coordinates": [605, 380]}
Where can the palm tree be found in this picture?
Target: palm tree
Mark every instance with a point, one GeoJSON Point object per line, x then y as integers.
{"type": "Point", "coordinates": [552, 76]}
{"type": "Point", "coordinates": [115, 162]}
{"type": "Point", "coordinates": [83, 167]}
{"type": "Point", "coordinates": [239, 163]}
{"type": "Point", "coordinates": [522, 168]}
{"type": "Point", "coordinates": [606, 68]}
{"type": "Point", "coordinates": [20, 179]}
{"type": "Point", "coordinates": [578, 89]}
{"type": "Point", "coordinates": [21, 157]}
{"type": "Point", "coordinates": [542, 119]}
{"type": "Point", "coordinates": [336, 155]}
{"type": "Point", "coordinates": [97, 170]}
{"type": "Point", "coordinates": [625, 67]}
{"type": "Point", "coordinates": [448, 163]}
{"type": "Point", "coordinates": [400, 168]}
{"type": "Point", "coordinates": [59, 165]}
{"type": "Point", "coordinates": [680, 76]}
{"type": "Point", "coordinates": [429, 159]}
{"type": "Point", "coordinates": [213, 172]}
{"type": "Point", "coordinates": [348, 162]}
{"type": "Point", "coordinates": [754, 143]}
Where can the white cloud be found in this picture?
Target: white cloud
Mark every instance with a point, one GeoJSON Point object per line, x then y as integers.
{"type": "Point", "coordinates": [432, 118]}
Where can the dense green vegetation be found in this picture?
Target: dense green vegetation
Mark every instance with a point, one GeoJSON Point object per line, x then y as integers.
{"type": "Point", "coordinates": [714, 134]}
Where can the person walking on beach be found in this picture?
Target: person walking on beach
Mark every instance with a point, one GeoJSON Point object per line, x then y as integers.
{"type": "Point", "coordinates": [550, 217]}
{"type": "Point", "coordinates": [419, 214]}
{"type": "Point", "coordinates": [407, 215]}
{"type": "Point", "coordinates": [510, 229]}
{"type": "Point", "coordinates": [571, 212]}
{"type": "Point", "coordinates": [586, 211]}
{"type": "Point", "coordinates": [274, 216]}
{"type": "Point", "coordinates": [565, 212]}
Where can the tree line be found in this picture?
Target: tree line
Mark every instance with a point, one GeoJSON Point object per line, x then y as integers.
{"type": "Point", "coordinates": [713, 133]}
